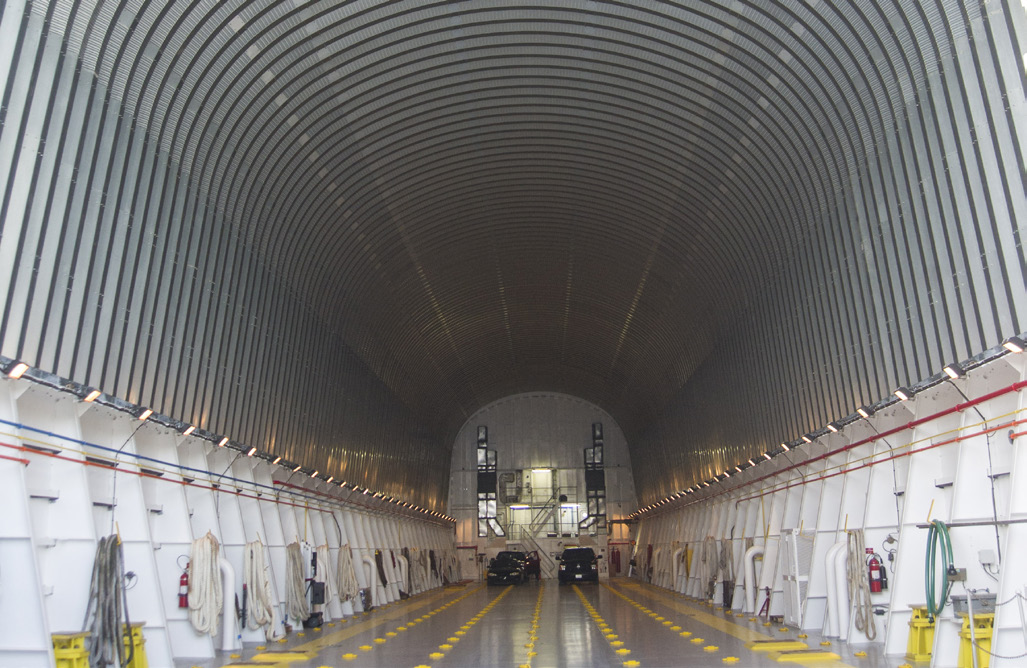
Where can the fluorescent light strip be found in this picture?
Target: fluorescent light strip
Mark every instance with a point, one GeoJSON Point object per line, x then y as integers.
{"type": "Point", "coordinates": [17, 370]}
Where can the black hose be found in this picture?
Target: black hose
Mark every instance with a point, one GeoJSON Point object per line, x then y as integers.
{"type": "Point", "coordinates": [108, 603]}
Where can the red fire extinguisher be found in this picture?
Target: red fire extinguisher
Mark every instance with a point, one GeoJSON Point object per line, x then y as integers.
{"type": "Point", "coordinates": [877, 578]}
{"type": "Point", "coordinates": [183, 589]}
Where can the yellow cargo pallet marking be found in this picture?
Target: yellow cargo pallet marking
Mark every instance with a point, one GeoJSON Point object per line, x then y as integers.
{"type": "Point", "coordinates": [775, 645]}
{"type": "Point", "coordinates": [804, 656]}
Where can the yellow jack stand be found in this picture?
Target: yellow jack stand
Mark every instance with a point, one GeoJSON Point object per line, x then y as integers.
{"type": "Point", "coordinates": [984, 624]}
{"type": "Point", "coordinates": [138, 646]}
{"type": "Point", "coordinates": [921, 635]}
{"type": "Point", "coordinates": [69, 650]}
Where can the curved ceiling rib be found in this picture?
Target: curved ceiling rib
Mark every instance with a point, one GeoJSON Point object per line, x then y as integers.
{"type": "Point", "coordinates": [460, 201]}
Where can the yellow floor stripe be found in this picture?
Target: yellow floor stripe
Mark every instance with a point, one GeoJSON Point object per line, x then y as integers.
{"type": "Point", "coordinates": [336, 637]}
{"type": "Point", "coordinates": [718, 623]}
{"type": "Point", "coordinates": [445, 647]}
{"type": "Point", "coordinates": [714, 622]}
{"type": "Point", "coordinates": [616, 645]}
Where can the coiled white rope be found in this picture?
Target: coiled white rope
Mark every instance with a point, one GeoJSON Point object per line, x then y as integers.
{"type": "Point", "coordinates": [349, 589]}
{"type": "Point", "coordinates": [295, 585]}
{"type": "Point", "coordinates": [260, 607]}
{"type": "Point", "coordinates": [205, 597]}
{"type": "Point", "coordinates": [324, 574]}
{"type": "Point", "coordinates": [859, 585]}
{"type": "Point", "coordinates": [416, 571]}
{"type": "Point", "coordinates": [107, 604]}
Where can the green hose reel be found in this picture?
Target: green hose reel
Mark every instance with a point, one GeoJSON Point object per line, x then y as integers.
{"type": "Point", "coordinates": [937, 534]}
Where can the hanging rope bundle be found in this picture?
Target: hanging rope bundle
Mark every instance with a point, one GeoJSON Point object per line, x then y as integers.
{"type": "Point", "coordinates": [325, 575]}
{"type": "Point", "coordinates": [347, 577]}
{"type": "Point", "coordinates": [260, 611]}
{"type": "Point", "coordinates": [295, 589]}
{"type": "Point", "coordinates": [205, 595]}
{"type": "Point", "coordinates": [859, 585]}
{"type": "Point", "coordinates": [108, 603]}
{"type": "Point", "coordinates": [710, 558]}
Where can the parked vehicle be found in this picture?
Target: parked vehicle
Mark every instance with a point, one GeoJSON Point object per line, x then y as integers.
{"type": "Point", "coordinates": [578, 564]}
{"type": "Point", "coordinates": [507, 568]}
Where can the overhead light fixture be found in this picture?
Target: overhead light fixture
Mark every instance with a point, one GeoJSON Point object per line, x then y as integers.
{"type": "Point", "coordinates": [188, 430]}
{"type": "Point", "coordinates": [541, 470]}
{"type": "Point", "coordinates": [752, 463]}
{"type": "Point", "coordinates": [519, 507]}
{"type": "Point", "coordinates": [277, 459]}
{"type": "Point", "coordinates": [833, 427]}
{"type": "Point", "coordinates": [298, 466]}
{"type": "Point", "coordinates": [864, 411]}
{"type": "Point", "coordinates": [330, 478]}
{"type": "Point", "coordinates": [784, 446]}
{"type": "Point", "coordinates": [145, 414]}
{"type": "Point", "coordinates": [17, 370]}
{"type": "Point", "coordinates": [314, 474]}
{"type": "Point", "coordinates": [767, 455]}
{"type": "Point", "coordinates": [903, 393]}
{"type": "Point", "coordinates": [252, 451]}
{"type": "Point", "coordinates": [223, 442]}
{"type": "Point", "coordinates": [954, 370]}
{"type": "Point", "coordinates": [92, 396]}
{"type": "Point", "coordinates": [806, 437]}
{"type": "Point", "coordinates": [738, 468]}
{"type": "Point", "coordinates": [1014, 344]}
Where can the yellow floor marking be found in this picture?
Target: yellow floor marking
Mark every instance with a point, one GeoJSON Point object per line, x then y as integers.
{"type": "Point", "coordinates": [435, 656]}
{"type": "Point", "coordinates": [712, 621]}
{"type": "Point", "coordinates": [328, 640]}
{"type": "Point", "coordinates": [718, 623]}
{"type": "Point", "coordinates": [775, 645]}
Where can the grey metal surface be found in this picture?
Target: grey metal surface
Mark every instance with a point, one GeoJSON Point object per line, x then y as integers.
{"type": "Point", "coordinates": [335, 230]}
{"type": "Point", "coordinates": [556, 629]}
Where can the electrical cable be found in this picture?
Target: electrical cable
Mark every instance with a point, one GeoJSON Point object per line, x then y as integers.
{"type": "Point", "coordinates": [859, 585]}
{"type": "Point", "coordinates": [324, 574]}
{"type": "Point", "coordinates": [970, 614]}
{"type": "Point", "coordinates": [296, 595]}
{"type": "Point", "coordinates": [107, 604]}
{"type": "Point", "coordinates": [937, 534]}
{"type": "Point", "coordinates": [205, 593]}
{"type": "Point", "coordinates": [261, 613]}
{"type": "Point", "coordinates": [991, 470]}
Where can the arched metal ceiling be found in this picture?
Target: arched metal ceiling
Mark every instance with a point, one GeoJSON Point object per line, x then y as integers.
{"type": "Point", "coordinates": [485, 198]}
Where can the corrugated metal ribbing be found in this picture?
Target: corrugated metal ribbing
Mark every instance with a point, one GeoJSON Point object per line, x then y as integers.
{"type": "Point", "coordinates": [338, 229]}
{"type": "Point", "coordinates": [119, 274]}
{"type": "Point", "coordinates": [921, 264]}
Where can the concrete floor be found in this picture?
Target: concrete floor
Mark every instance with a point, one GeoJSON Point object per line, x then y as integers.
{"type": "Point", "coordinates": [619, 623]}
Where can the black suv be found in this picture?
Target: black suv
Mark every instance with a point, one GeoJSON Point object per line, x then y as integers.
{"type": "Point", "coordinates": [578, 564]}
{"type": "Point", "coordinates": [507, 568]}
